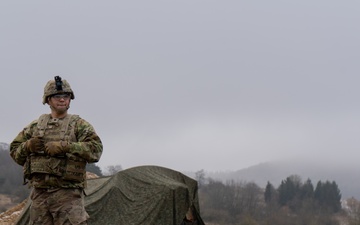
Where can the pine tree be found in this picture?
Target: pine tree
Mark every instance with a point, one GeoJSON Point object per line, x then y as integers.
{"type": "Point", "coordinates": [307, 190]}
{"type": "Point", "coordinates": [288, 189]}
{"type": "Point", "coordinates": [328, 196]}
{"type": "Point", "coordinates": [270, 193]}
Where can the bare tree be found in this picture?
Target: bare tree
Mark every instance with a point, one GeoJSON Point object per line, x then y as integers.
{"type": "Point", "coordinates": [353, 211]}
{"type": "Point", "coordinates": [200, 177]}
{"type": "Point", "coordinates": [113, 169]}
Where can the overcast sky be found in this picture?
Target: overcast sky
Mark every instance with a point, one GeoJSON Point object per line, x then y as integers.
{"type": "Point", "coordinates": [191, 85]}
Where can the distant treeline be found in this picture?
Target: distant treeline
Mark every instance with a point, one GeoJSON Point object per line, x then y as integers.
{"type": "Point", "coordinates": [292, 202]}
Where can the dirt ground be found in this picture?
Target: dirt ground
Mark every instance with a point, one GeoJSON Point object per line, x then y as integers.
{"type": "Point", "coordinates": [10, 216]}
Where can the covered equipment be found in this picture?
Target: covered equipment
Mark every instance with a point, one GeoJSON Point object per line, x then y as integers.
{"type": "Point", "coordinates": [137, 196]}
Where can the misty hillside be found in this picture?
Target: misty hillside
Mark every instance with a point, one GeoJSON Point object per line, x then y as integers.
{"type": "Point", "coordinates": [346, 176]}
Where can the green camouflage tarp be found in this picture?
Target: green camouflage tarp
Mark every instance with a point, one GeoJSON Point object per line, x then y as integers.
{"type": "Point", "coordinates": [144, 195]}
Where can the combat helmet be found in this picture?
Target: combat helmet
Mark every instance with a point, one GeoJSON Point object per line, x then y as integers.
{"type": "Point", "coordinates": [56, 86]}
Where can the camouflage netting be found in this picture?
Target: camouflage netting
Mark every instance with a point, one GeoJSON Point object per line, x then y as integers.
{"type": "Point", "coordinates": [139, 195]}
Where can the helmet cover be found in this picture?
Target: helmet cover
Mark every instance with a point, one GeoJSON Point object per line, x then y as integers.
{"type": "Point", "coordinates": [56, 86]}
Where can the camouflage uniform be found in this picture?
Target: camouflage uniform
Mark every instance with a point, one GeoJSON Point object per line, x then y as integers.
{"type": "Point", "coordinates": [58, 181]}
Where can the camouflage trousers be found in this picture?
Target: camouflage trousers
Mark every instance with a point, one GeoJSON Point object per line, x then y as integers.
{"type": "Point", "coordinates": [57, 207]}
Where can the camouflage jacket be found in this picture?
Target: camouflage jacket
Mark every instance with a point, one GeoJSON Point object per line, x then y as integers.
{"type": "Point", "coordinates": [87, 146]}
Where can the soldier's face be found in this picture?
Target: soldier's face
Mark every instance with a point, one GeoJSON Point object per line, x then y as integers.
{"type": "Point", "coordinates": [59, 103]}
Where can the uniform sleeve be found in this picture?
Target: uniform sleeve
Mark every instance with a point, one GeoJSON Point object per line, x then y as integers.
{"type": "Point", "coordinates": [88, 145]}
{"type": "Point", "coordinates": [17, 146]}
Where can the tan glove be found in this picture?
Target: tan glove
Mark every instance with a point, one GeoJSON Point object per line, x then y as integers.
{"type": "Point", "coordinates": [54, 148]}
{"type": "Point", "coordinates": [35, 145]}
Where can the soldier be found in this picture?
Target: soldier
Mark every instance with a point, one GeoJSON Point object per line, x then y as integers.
{"type": "Point", "coordinates": [54, 151]}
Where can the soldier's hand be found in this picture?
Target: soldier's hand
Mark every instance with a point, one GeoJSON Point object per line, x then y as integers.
{"type": "Point", "coordinates": [54, 148]}
{"type": "Point", "coordinates": [35, 145]}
